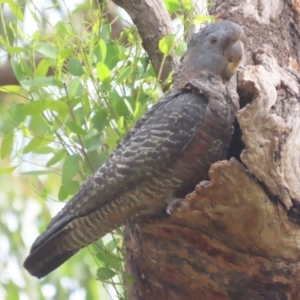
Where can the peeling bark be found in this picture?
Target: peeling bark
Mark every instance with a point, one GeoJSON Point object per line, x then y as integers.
{"type": "Point", "coordinates": [228, 241]}
{"type": "Point", "coordinates": [271, 127]}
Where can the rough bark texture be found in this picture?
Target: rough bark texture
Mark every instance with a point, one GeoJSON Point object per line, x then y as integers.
{"type": "Point", "coordinates": [237, 236]}
{"type": "Point", "coordinates": [153, 22]}
{"type": "Point", "coordinates": [271, 127]}
{"type": "Point", "coordinates": [229, 242]}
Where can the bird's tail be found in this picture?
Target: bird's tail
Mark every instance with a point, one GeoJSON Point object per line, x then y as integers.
{"type": "Point", "coordinates": [63, 239]}
{"type": "Point", "coordinates": [68, 233]}
{"type": "Point", "coordinates": [58, 243]}
{"type": "Point", "coordinates": [45, 258]}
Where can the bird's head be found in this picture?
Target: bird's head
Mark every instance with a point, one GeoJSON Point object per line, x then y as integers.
{"type": "Point", "coordinates": [218, 49]}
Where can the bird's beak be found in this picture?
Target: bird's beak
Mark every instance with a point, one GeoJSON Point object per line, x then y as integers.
{"type": "Point", "coordinates": [234, 55]}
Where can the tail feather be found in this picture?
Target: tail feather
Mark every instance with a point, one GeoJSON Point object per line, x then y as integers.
{"type": "Point", "coordinates": [68, 233]}
{"type": "Point", "coordinates": [53, 247]}
{"type": "Point", "coordinates": [45, 258]}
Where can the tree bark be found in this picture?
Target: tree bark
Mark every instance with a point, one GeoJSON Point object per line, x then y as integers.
{"type": "Point", "coordinates": [237, 235]}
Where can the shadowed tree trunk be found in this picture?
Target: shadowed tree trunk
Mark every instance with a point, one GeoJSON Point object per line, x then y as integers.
{"type": "Point", "coordinates": [237, 235]}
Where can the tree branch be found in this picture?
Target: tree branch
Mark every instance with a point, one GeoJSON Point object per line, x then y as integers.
{"type": "Point", "coordinates": [153, 23]}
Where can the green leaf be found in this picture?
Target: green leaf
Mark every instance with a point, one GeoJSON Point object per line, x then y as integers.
{"type": "Point", "coordinates": [74, 87]}
{"type": "Point", "coordinates": [111, 245]}
{"type": "Point", "coordinates": [11, 89]}
{"type": "Point", "coordinates": [57, 105]}
{"type": "Point", "coordinates": [62, 194]}
{"type": "Point", "coordinates": [13, 50]}
{"type": "Point", "coordinates": [180, 49]}
{"type": "Point", "coordinates": [45, 49]}
{"type": "Point", "coordinates": [34, 107]}
{"type": "Point", "coordinates": [103, 72]}
{"type": "Point", "coordinates": [25, 67]}
{"type": "Point", "coordinates": [96, 160]}
{"type": "Point", "coordinates": [112, 138]}
{"type": "Point", "coordinates": [17, 70]}
{"type": "Point", "coordinates": [172, 5]}
{"type": "Point", "coordinates": [187, 4]}
{"type": "Point", "coordinates": [15, 8]}
{"type": "Point", "coordinates": [92, 140]}
{"type": "Point", "coordinates": [120, 125]}
{"type": "Point", "coordinates": [7, 170]}
{"type": "Point", "coordinates": [7, 144]}
{"type": "Point", "coordinates": [2, 40]}
{"type": "Point", "coordinates": [43, 150]}
{"type": "Point", "coordinates": [118, 103]}
{"type": "Point", "coordinates": [79, 114]}
{"type": "Point", "coordinates": [75, 67]}
{"type": "Point", "coordinates": [42, 68]}
{"type": "Point", "coordinates": [64, 54]}
{"type": "Point", "coordinates": [203, 19]}
{"type": "Point", "coordinates": [56, 158]}
{"type": "Point", "coordinates": [109, 259]}
{"type": "Point", "coordinates": [120, 106]}
{"type": "Point", "coordinates": [35, 173]}
{"type": "Point", "coordinates": [113, 58]}
{"type": "Point", "coordinates": [71, 187]}
{"type": "Point", "coordinates": [70, 167]}
{"type": "Point", "coordinates": [99, 120]}
{"type": "Point", "coordinates": [39, 126]}
{"type": "Point", "coordinates": [39, 106]}
{"type": "Point", "coordinates": [124, 74]}
{"type": "Point", "coordinates": [15, 115]}
{"type": "Point", "coordinates": [139, 111]}
{"type": "Point", "coordinates": [167, 43]}
{"type": "Point", "coordinates": [63, 28]}
{"type": "Point", "coordinates": [100, 51]}
{"type": "Point", "coordinates": [32, 145]}
{"type": "Point", "coordinates": [37, 142]}
{"type": "Point", "coordinates": [105, 30]}
{"type": "Point", "coordinates": [75, 128]}
{"type": "Point", "coordinates": [105, 273]}
{"type": "Point", "coordinates": [41, 82]}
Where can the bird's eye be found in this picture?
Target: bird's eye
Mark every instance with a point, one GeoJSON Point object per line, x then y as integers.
{"type": "Point", "coordinates": [213, 40]}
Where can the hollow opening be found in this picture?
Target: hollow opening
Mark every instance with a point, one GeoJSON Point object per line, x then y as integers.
{"type": "Point", "coordinates": [236, 145]}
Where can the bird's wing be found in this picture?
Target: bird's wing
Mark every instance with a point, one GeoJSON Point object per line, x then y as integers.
{"type": "Point", "coordinates": [151, 144]}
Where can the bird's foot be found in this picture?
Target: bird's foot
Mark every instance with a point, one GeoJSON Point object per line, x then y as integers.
{"type": "Point", "coordinates": [205, 88]}
{"type": "Point", "coordinates": [173, 204]}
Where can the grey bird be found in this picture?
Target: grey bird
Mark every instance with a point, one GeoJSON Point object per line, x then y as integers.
{"type": "Point", "coordinates": [164, 155]}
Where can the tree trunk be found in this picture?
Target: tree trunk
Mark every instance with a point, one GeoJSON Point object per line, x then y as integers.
{"type": "Point", "coordinates": [237, 235]}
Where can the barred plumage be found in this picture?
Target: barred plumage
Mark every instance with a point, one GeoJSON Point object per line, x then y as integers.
{"type": "Point", "coordinates": [167, 152]}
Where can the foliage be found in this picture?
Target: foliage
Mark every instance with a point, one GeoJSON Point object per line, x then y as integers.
{"type": "Point", "coordinates": [67, 124]}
